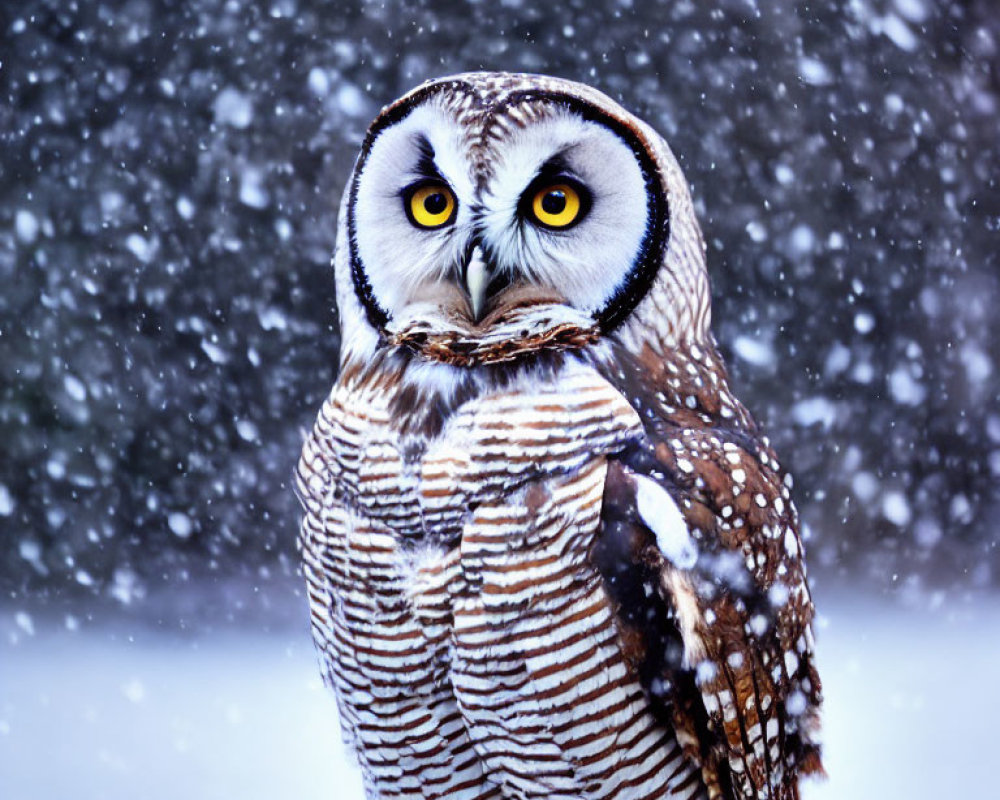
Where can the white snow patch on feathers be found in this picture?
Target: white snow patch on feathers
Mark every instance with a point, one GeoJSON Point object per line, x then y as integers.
{"type": "Point", "coordinates": [661, 515]}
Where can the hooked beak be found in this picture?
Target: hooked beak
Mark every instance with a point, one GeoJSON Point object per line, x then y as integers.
{"type": "Point", "coordinates": [477, 280]}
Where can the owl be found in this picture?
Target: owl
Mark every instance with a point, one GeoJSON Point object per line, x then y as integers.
{"type": "Point", "coordinates": [548, 553]}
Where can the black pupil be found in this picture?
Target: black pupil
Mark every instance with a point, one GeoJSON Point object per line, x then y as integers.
{"type": "Point", "coordinates": [436, 203]}
{"type": "Point", "coordinates": [554, 201]}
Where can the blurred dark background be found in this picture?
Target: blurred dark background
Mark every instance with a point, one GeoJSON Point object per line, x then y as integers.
{"type": "Point", "coordinates": [169, 179]}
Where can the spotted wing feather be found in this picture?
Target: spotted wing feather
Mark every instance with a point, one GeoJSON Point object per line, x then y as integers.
{"type": "Point", "coordinates": [725, 646]}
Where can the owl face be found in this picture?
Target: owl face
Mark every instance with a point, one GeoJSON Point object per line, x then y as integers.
{"type": "Point", "coordinates": [480, 197]}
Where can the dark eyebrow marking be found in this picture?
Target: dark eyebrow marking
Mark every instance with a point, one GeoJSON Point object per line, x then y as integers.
{"type": "Point", "coordinates": [426, 167]}
{"type": "Point", "coordinates": [556, 166]}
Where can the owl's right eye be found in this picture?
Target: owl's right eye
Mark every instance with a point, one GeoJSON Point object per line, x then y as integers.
{"type": "Point", "coordinates": [429, 204]}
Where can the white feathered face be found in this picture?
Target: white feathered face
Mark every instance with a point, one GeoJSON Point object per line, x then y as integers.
{"type": "Point", "coordinates": [459, 212]}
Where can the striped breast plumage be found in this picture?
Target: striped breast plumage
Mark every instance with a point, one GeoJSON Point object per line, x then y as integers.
{"type": "Point", "coordinates": [472, 643]}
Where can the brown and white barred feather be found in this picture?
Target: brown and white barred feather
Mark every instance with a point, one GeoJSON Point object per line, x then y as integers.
{"type": "Point", "coordinates": [492, 598]}
{"type": "Point", "coordinates": [472, 642]}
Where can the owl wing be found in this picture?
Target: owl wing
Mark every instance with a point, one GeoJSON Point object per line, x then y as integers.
{"type": "Point", "coordinates": [320, 538]}
{"type": "Point", "coordinates": [701, 553]}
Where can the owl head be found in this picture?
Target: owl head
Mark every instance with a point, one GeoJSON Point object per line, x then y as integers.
{"type": "Point", "coordinates": [493, 216]}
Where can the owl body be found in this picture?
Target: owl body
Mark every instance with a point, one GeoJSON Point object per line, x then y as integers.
{"type": "Point", "coordinates": [451, 627]}
{"type": "Point", "coordinates": [548, 553]}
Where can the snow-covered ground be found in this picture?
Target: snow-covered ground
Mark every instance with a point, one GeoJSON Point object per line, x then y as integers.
{"type": "Point", "coordinates": [911, 700]}
{"type": "Point", "coordinates": [111, 716]}
{"type": "Point", "coordinates": [110, 712]}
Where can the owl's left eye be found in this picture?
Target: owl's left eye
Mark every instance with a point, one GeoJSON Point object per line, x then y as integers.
{"type": "Point", "coordinates": [556, 204]}
{"type": "Point", "coordinates": [430, 204]}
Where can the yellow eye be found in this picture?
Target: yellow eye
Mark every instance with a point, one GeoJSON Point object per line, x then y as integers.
{"type": "Point", "coordinates": [430, 205]}
{"type": "Point", "coordinates": [558, 205]}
